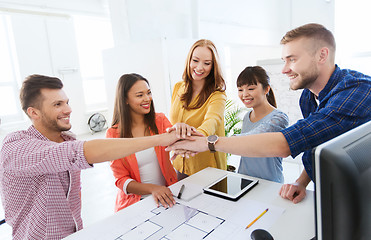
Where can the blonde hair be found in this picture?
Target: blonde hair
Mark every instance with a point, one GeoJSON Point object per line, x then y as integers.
{"type": "Point", "coordinates": [214, 81]}
{"type": "Point", "coordinates": [319, 35]}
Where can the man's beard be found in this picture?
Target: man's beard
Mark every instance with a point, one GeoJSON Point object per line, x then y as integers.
{"type": "Point", "coordinates": [53, 124]}
{"type": "Point", "coordinates": [307, 79]}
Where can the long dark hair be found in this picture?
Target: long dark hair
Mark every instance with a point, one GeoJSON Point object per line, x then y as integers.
{"type": "Point", "coordinates": [213, 82]}
{"type": "Point", "coordinates": [121, 111]}
{"type": "Point", "coordinates": [253, 76]}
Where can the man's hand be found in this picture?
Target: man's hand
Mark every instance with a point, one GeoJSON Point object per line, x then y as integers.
{"type": "Point", "coordinates": [196, 144]}
{"type": "Point", "coordinates": [295, 192]}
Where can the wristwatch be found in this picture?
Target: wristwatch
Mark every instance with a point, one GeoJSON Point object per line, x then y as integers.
{"type": "Point", "coordinates": [211, 140]}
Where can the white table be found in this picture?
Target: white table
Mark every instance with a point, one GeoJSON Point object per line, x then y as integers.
{"type": "Point", "coordinates": [296, 221]}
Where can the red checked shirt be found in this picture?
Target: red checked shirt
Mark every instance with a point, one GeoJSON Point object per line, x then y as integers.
{"type": "Point", "coordinates": [40, 184]}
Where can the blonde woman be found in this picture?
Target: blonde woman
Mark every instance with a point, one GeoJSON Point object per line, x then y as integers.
{"type": "Point", "coordinates": [199, 101]}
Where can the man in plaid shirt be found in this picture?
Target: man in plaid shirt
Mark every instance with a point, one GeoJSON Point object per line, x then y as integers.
{"type": "Point", "coordinates": [333, 101]}
{"type": "Point", "coordinates": [40, 167]}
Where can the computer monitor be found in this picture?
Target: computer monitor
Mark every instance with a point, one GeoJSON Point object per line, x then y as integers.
{"type": "Point", "coordinates": [343, 186]}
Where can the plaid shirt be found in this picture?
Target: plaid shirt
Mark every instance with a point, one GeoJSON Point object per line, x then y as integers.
{"type": "Point", "coordinates": [344, 104]}
{"type": "Point", "coordinates": [40, 184]}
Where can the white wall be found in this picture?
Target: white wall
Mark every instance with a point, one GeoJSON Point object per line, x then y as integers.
{"type": "Point", "coordinates": [246, 22]}
{"type": "Point", "coordinates": [159, 61]}
{"type": "Point", "coordinates": [52, 51]}
{"type": "Point", "coordinates": [45, 43]}
{"type": "Point", "coordinates": [92, 7]}
{"type": "Point", "coordinates": [321, 11]}
{"type": "Point", "coordinates": [244, 31]}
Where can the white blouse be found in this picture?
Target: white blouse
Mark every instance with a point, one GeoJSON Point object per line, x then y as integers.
{"type": "Point", "coordinates": [149, 169]}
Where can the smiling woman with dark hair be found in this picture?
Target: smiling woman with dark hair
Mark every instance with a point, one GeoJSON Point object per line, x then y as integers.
{"type": "Point", "coordinates": [255, 92]}
{"type": "Point", "coordinates": [149, 171]}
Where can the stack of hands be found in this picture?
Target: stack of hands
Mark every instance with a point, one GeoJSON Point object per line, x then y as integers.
{"type": "Point", "coordinates": [189, 141]}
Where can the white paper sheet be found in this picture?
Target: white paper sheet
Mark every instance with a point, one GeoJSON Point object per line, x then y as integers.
{"type": "Point", "coordinates": [190, 191]}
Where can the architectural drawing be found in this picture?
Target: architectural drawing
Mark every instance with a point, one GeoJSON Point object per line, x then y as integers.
{"type": "Point", "coordinates": [178, 222]}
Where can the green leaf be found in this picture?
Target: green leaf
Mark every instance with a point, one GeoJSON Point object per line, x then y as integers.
{"type": "Point", "coordinates": [232, 118]}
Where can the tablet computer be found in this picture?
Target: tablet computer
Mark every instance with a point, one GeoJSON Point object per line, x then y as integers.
{"type": "Point", "coordinates": [231, 186]}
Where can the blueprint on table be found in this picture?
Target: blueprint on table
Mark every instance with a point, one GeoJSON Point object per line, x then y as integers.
{"type": "Point", "coordinates": [178, 222]}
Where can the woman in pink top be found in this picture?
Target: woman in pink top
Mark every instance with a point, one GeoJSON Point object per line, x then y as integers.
{"type": "Point", "coordinates": [149, 171]}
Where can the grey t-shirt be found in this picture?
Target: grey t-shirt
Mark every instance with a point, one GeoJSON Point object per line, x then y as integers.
{"type": "Point", "coordinates": [269, 168]}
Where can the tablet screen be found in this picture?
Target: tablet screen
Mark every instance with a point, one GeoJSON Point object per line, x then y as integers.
{"type": "Point", "coordinates": [231, 186]}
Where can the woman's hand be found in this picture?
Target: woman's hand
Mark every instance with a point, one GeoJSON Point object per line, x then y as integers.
{"type": "Point", "coordinates": [160, 194]}
{"type": "Point", "coordinates": [163, 195]}
{"type": "Point", "coordinates": [182, 153]}
{"type": "Point", "coordinates": [183, 130]}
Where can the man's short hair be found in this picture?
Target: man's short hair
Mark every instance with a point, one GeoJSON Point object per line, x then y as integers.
{"type": "Point", "coordinates": [317, 32]}
{"type": "Point", "coordinates": [30, 94]}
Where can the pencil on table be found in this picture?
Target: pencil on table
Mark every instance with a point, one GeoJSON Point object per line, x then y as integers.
{"type": "Point", "coordinates": [256, 219]}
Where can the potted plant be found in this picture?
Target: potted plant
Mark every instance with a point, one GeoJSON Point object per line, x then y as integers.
{"type": "Point", "coordinates": [232, 123]}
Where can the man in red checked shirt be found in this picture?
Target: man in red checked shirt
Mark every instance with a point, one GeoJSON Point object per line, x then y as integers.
{"type": "Point", "coordinates": [40, 167]}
